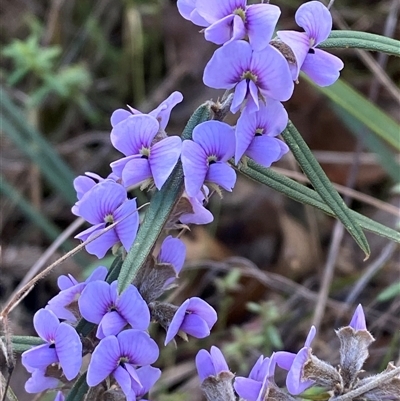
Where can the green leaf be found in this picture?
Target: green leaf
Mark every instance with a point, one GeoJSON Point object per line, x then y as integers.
{"type": "Point", "coordinates": [21, 344]}
{"type": "Point", "coordinates": [308, 196]}
{"type": "Point", "coordinates": [161, 205]}
{"type": "Point", "coordinates": [390, 292]}
{"type": "Point", "coordinates": [363, 110]}
{"type": "Point", "coordinates": [361, 40]}
{"type": "Point", "coordinates": [79, 389]}
{"type": "Point", "coordinates": [323, 186]}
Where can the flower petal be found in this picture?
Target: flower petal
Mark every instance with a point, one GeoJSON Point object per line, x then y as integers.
{"type": "Point", "coordinates": [203, 309]}
{"type": "Point", "coordinates": [284, 359]}
{"type": "Point", "coordinates": [46, 324]}
{"type": "Point", "coordinates": [195, 326]}
{"type": "Point", "coordinates": [69, 350]}
{"type": "Point", "coordinates": [163, 111]}
{"type": "Point", "coordinates": [148, 375]}
{"type": "Point", "coordinates": [176, 322]}
{"type": "Point", "coordinates": [124, 380]}
{"type": "Point", "coordinates": [261, 20]}
{"type": "Point", "coordinates": [111, 324]}
{"type": "Point", "coordinates": [239, 95]}
{"type": "Point", "coordinates": [247, 389]}
{"type": "Point", "coordinates": [213, 11]}
{"type": "Point", "coordinates": [38, 382]}
{"type": "Point", "coordinates": [220, 31]}
{"type": "Point", "coordinates": [358, 320]}
{"type": "Point", "coordinates": [294, 382]}
{"type": "Point", "coordinates": [322, 67]}
{"type": "Point", "coordinates": [103, 241]}
{"type": "Point", "coordinates": [39, 357]}
{"type": "Point", "coordinates": [104, 360]}
{"type": "Point", "coordinates": [173, 251]}
{"type": "Point", "coordinates": [118, 165]}
{"type": "Point", "coordinates": [83, 184]}
{"type": "Point", "coordinates": [128, 225]}
{"type": "Point", "coordinates": [163, 157]}
{"type": "Point", "coordinates": [95, 301]}
{"type": "Point", "coordinates": [222, 174]}
{"type": "Point", "coordinates": [315, 18]}
{"type": "Point", "coordinates": [204, 365]}
{"type": "Point", "coordinates": [119, 115]}
{"type": "Point", "coordinates": [136, 171]}
{"type": "Point", "coordinates": [264, 150]}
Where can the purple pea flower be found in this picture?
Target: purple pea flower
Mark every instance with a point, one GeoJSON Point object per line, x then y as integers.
{"type": "Point", "coordinates": [322, 67]}
{"type": "Point", "coordinates": [228, 20]}
{"type": "Point", "coordinates": [100, 303]}
{"type": "Point", "coordinates": [294, 363]}
{"type": "Point", "coordinates": [105, 204]}
{"type": "Point", "coordinates": [70, 292]}
{"type": "Point", "coordinates": [210, 363]}
{"type": "Point", "coordinates": [39, 382]}
{"type": "Point", "coordinates": [144, 159]}
{"type": "Point", "coordinates": [147, 375]}
{"type": "Point", "coordinates": [256, 132]}
{"type": "Point", "coordinates": [205, 157]}
{"type": "Point", "coordinates": [161, 113]}
{"type": "Point", "coordinates": [195, 317]}
{"type": "Point", "coordinates": [199, 215]}
{"type": "Point", "coordinates": [63, 346]}
{"type": "Point", "coordinates": [358, 320]}
{"type": "Point", "coordinates": [173, 252]}
{"type": "Point", "coordinates": [119, 356]}
{"type": "Point", "coordinates": [255, 75]}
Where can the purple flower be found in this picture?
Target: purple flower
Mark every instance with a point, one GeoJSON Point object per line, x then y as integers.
{"type": "Point", "coordinates": [322, 67]}
{"type": "Point", "coordinates": [195, 317]}
{"type": "Point", "coordinates": [70, 292]}
{"type": "Point", "coordinates": [358, 320]}
{"type": "Point", "coordinates": [119, 356]}
{"type": "Point", "coordinates": [39, 382]}
{"type": "Point", "coordinates": [199, 215]}
{"type": "Point", "coordinates": [173, 252]}
{"type": "Point", "coordinates": [161, 113]}
{"type": "Point", "coordinates": [255, 75]}
{"type": "Point", "coordinates": [147, 375]}
{"type": "Point", "coordinates": [228, 20]}
{"type": "Point", "coordinates": [100, 303]}
{"type": "Point", "coordinates": [295, 364]}
{"type": "Point", "coordinates": [144, 159]}
{"type": "Point", "coordinates": [105, 204]}
{"type": "Point", "coordinates": [255, 134]}
{"type": "Point", "coordinates": [63, 346]}
{"type": "Point", "coordinates": [59, 396]}
{"type": "Point", "coordinates": [210, 363]}
{"type": "Point", "coordinates": [205, 158]}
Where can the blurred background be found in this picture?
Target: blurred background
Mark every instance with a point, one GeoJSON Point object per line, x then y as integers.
{"type": "Point", "coordinates": [270, 266]}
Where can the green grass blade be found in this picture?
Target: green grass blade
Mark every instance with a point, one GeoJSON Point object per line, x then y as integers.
{"type": "Point", "coordinates": [323, 186]}
{"type": "Point", "coordinates": [363, 110]}
{"type": "Point", "coordinates": [78, 390]}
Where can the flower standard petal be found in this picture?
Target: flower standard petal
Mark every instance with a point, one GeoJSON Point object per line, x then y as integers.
{"type": "Point", "coordinates": [163, 157]}
{"type": "Point", "coordinates": [261, 20]}
{"type": "Point", "coordinates": [213, 11]}
{"type": "Point", "coordinates": [315, 18]}
{"type": "Point", "coordinates": [194, 164]}
{"type": "Point", "coordinates": [187, 8]}
{"type": "Point", "coordinates": [204, 365]}
{"type": "Point", "coordinates": [218, 360]}
{"type": "Point", "coordinates": [104, 360]}
{"type": "Point", "coordinates": [95, 301]}
{"type": "Point", "coordinates": [69, 350]}
{"type": "Point", "coordinates": [119, 115]}
{"type": "Point", "coordinates": [203, 309]}
{"type": "Point", "coordinates": [83, 184]}
{"type": "Point", "coordinates": [322, 67]}
{"type": "Point", "coordinates": [221, 174]}
{"type": "Point", "coordinates": [46, 324]}
{"type": "Point", "coordinates": [264, 150]}
{"type": "Point", "coordinates": [128, 218]}
{"type": "Point", "coordinates": [134, 133]}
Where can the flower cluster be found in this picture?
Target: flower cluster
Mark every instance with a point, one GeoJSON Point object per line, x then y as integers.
{"type": "Point", "coordinates": [304, 370]}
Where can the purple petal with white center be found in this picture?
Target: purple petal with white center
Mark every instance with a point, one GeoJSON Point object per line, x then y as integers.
{"type": "Point", "coordinates": [83, 184]}
{"type": "Point", "coordinates": [264, 150]}
{"type": "Point", "coordinates": [38, 382]}
{"type": "Point", "coordinates": [104, 360]}
{"type": "Point", "coordinates": [284, 359]}
{"type": "Point", "coordinates": [315, 18]}
{"type": "Point", "coordinates": [111, 324]}
{"type": "Point", "coordinates": [133, 308]}
{"type": "Point", "coordinates": [195, 326]}
{"type": "Point", "coordinates": [134, 133]}
{"type": "Point", "coordinates": [64, 282]}
{"type": "Point", "coordinates": [294, 382]}
{"type": "Point", "coordinates": [138, 346]}
{"type": "Point", "coordinates": [69, 350]}
{"type": "Point", "coordinates": [239, 95]}
{"type": "Point", "coordinates": [221, 31]}
{"type": "Point", "coordinates": [148, 375]}
{"type": "Point", "coordinates": [101, 201]}
{"type": "Point", "coordinates": [95, 301]}
{"type": "Point", "coordinates": [163, 157]}
{"type": "Point", "coordinates": [274, 78]}
{"type": "Point", "coordinates": [118, 165]}
{"type": "Point", "coordinates": [261, 20]}
{"type": "Point", "coordinates": [299, 43]}
{"type": "Point", "coordinates": [247, 389]}
{"type": "Point", "coordinates": [194, 164]}
{"type": "Point", "coordinates": [358, 320]}
{"type": "Point", "coordinates": [39, 357]}
{"type": "Point", "coordinates": [322, 67]}
{"type": "Point", "coordinates": [216, 138]}
{"type": "Point", "coordinates": [163, 111]}
{"type": "Point", "coordinates": [136, 171]}
{"type": "Point", "coordinates": [222, 174]}
{"type": "Point", "coordinates": [123, 378]}
{"type": "Point", "coordinates": [204, 365]}
{"type": "Point", "coordinates": [128, 225]}
{"type": "Point", "coordinates": [101, 242]}
{"type": "Point", "coordinates": [173, 251]}
{"type": "Point", "coordinates": [228, 63]}
{"type": "Point", "coordinates": [119, 115]}
{"type": "Point", "coordinates": [46, 324]}
{"type": "Point", "coordinates": [203, 309]}
{"type": "Point", "coordinates": [213, 11]}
